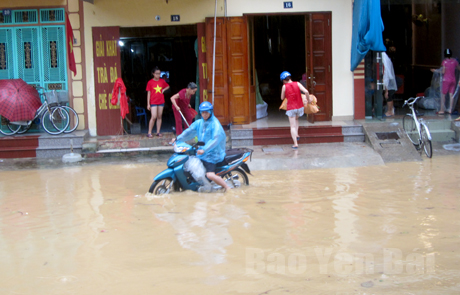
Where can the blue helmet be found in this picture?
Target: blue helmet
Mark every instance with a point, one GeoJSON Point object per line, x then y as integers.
{"type": "Point", "coordinates": [284, 75]}
{"type": "Point", "coordinates": [206, 106]}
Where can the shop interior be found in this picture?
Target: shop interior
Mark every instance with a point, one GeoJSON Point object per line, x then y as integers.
{"type": "Point", "coordinates": [415, 38]}
{"type": "Point", "coordinates": [172, 49]}
{"type": "Point", "coordinates": [279, 45]}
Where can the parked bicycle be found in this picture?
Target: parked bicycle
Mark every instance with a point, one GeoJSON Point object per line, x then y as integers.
{"type": "Point", "coordinates": [54, 118]}
{"type": "Point", "coordinates": [416, 129]}
{"type": "Point", "coordinates": [63, 100]}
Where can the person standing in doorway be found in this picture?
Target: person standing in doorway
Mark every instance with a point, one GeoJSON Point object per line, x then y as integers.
{"type": "Point", "coordinates": [295, 103]}
{"type": "Point", "coordinates": [181, 103]}
{"type": "Point", "coordinates": [156, 100]}
{"type": "Point", "coordinates": [449, 65]}
{"type": "Point", "coordinates": [389, 84]}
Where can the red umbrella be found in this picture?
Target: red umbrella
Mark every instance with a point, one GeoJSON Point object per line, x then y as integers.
{"type": "Point", "coordinates": [18, 100]}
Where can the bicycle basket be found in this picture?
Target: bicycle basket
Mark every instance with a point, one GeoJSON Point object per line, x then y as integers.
{"type": "Point", "coordinates": [51, 97]}
{"type": "Point", "coordinates": [63, 97]}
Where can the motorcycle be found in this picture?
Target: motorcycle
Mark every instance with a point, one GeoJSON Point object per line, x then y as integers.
{"type": "Point", "coordinates": [175, 178]}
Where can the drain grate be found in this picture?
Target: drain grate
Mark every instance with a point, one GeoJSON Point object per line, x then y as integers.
{"type": "Point", "coordinates": [272, 149]}
{"type": "Point", "coordinates": [387, 135]}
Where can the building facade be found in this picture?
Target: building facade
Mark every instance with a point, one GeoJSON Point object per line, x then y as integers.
{"type": "Point", "coordinates": [255, 41]}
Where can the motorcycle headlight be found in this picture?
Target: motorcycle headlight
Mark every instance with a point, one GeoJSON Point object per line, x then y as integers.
{"type": "Point", "coordinates": [180, 149]}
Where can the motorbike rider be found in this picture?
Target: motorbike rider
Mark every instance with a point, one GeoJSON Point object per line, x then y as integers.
{"type": "Point", "coordinates": [208, 130]}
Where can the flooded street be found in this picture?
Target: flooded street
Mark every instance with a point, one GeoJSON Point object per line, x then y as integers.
{"type": "Point", "coordinates": [388, 229]}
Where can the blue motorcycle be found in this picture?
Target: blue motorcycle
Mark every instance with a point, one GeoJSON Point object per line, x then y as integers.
{"type": "Point", "coordinates": [176, 178]}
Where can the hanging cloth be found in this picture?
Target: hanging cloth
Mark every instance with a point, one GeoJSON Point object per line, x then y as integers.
{"type": "Point", "coordinates": [119, 92]}
{"type": "Point", "coordinates": [367, 30]}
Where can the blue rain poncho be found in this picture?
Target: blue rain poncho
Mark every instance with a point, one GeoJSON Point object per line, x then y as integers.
{"type": "Point", "coordinates": [212, 134]}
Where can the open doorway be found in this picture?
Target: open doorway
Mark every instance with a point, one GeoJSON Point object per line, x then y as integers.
{"type": "Point", "coordinates": [172, 49]}
{"type": "Point", "coordinates": [279, 45]}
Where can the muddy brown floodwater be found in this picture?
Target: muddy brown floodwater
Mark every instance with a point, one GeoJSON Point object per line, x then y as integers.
{"type": "Point", "coordinates": [392, 229]}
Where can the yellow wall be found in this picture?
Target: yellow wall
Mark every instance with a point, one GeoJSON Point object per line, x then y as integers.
{"type": "Point", "coordinates": [139, 13]}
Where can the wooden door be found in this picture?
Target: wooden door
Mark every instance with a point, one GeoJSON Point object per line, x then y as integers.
{"type": "Point", "coordinates": [107, 68]}
{"type": "Point", "coordinates": [221, 110]}
{"type": "Point", "coordinates": [238, 83]}
{"type": "Point", "coordinates": [252, 71]}
{"type": "Point", "coordinates": [319, 62]}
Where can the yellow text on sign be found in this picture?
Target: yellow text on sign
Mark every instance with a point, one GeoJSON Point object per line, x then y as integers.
{"type": "Point", "coordinates": [113, 74]}
{"type": "Point", "coordinates": [102, 74]}
{"type": "Point", "coordinates": [113, 107]}
{"type": "Point", "coordinates": [102, 101]}
{"type": "Point", "coordinates": [205, 70]}
{"type": "Point", "coordinates": [100, 50]}
{"type": "Point", "coordinates": [205, 95]}
{"type": "Point", "coordinates": [111, 47]}
{"type": "Point", "coordinates": [203, 44]}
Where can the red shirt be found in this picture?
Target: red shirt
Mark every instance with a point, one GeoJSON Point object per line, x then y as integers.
{"type": "Point", "coordinates": [155, 88]}
{"type": "Point", "coordinates": [183, 101]}
{"type": "Point", "coordinates": [292, 93]}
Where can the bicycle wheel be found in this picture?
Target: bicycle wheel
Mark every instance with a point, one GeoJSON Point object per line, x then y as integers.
{"type": "Point", "coordinates": [410, 127]}
{"type": "Point", "coordinates": [426, 140]}
{"type": "Point", "coordinates": [73, 119]}
{"type": "Point", "coordinates": [55, 122]}
{"type": "Point", "coordinates": [19, 129]}
{"type": "Point", "coordinates": [5, 127]}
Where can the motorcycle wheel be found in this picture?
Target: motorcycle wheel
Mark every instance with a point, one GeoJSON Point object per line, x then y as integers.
{"type": "Point", "coordinates": [239, 175]}
{"type": "Point", "coordinates": [161, 187]}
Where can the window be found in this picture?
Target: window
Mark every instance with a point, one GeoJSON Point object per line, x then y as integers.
{"type": "Point", "coordinates": [35, 53]}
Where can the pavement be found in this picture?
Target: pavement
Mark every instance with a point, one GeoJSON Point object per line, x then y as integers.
{"type": "Point", "coordinates": [276, 157]}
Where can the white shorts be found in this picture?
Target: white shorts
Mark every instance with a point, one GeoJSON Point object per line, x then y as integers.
{"type": "Point", "coordinates": [296, 112]}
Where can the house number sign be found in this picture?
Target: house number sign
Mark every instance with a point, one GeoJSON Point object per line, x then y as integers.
{"type": "Point", "coordinates": [288, 4]}
{"type": "Point", "coordinates": [175, 18]}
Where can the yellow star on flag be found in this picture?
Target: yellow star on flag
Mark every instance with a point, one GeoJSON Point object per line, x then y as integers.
{"type": "Point", "coordinates": [157, 89]}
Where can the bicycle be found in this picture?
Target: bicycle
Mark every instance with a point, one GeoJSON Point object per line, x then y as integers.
{"type": "Point", "coordinates": [63, 99]}
{"type": "Point", "coordinates": [416, 129]}
{"type": "Point", "coordinates": [54, 119]}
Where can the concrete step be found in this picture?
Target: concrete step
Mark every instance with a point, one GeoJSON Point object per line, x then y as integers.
{"type": "Point", "coordinates": [308, 134]}
{"type": "Point", "coordinates": [442, 135]}
{"type": "Point", "coordinates": [132, 141]}
{"type": "Point", "coordinates": [438, 124]}
{"type": "Point", "coordinates": [55, 146]}
{"type": "Point", "coordinates": [440, 130]}
{"type": "Point", "coordinates": [455, 126]}
{"type": "Point", "coordinates": [391, 142]}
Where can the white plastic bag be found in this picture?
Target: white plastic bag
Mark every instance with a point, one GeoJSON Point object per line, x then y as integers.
{"type": "Point", "coordinates": [196, 168]}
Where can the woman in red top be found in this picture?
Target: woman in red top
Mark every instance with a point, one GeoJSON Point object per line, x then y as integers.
{"type": "Point", "coordinates": [181, 102]}
{"type": "Point", "coordinates": [295, 103]}
{"type": "Point", "coordinates": [156, 100]}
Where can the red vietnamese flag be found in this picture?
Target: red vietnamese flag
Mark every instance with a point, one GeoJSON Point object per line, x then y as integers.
{"type": "Point", "coordinates": [69, 41]}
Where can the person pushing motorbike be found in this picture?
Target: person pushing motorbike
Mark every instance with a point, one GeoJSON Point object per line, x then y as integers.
{"type": "Point", "coordinates": [208, 130]}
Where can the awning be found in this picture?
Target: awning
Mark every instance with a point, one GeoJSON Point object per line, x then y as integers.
{"type": "Point", "coordinates": [367, 30]}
